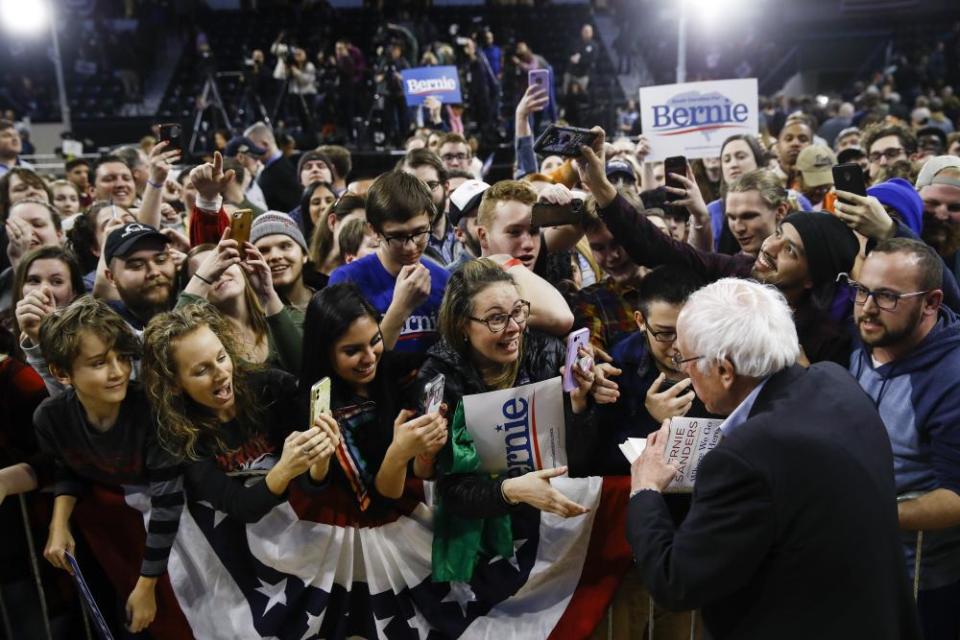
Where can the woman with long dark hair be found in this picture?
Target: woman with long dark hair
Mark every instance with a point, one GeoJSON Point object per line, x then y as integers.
{"type": "Point", "coordinates": [383, 441]}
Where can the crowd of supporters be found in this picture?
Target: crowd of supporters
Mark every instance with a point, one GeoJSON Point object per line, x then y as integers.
{"type": "Point", "coordinates": [144, 345]}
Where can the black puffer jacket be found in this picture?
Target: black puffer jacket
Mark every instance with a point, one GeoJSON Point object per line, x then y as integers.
{"type": "Point", "coordinates": [542, 356]}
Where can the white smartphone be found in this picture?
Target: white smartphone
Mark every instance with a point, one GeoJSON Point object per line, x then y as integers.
{"type": "Point", "coordinates": [319, 399]}
{"type": "Point", "coordinates": [576, 339]}
{"type": "Point", "coordinates": [433, 395]}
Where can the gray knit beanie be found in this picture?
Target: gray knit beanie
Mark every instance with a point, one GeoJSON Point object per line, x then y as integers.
{"type": "Point", "coordinates": [276, 222]}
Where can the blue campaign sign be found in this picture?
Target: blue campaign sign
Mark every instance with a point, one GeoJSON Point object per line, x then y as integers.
{"type": "Point", "coordinates": [441, 82]}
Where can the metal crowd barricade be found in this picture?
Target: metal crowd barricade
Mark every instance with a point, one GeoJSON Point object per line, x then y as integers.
{"type": "Point", "coordinates": [38, 582]}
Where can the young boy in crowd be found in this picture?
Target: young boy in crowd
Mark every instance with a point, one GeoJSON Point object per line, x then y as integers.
{"type": "Point", "coordinates": [100, 431]}
{"type": "Point", "coordinates": [396, 279]}
{"type": "Point", "coordinates": [357, 240]}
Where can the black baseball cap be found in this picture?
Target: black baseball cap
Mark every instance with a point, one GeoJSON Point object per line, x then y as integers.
{"type": "Point", "coordinates": [244, 144]}
{"type": "Point", "coordinates": [850, 154]}
{"type": "Point", "coordinates": [121, 242]}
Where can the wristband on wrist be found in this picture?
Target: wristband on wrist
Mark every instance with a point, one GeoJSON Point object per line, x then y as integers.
{"type": "Point", "coordinates": [154, 184]}
{"type": "Point", "coordinates": [512, 262]}
{"type": "Point", "coordinates": [202, 279]}
{"type": "Point", "coordinates": [642, 489]}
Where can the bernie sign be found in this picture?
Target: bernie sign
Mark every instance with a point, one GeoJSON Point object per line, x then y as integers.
{"type": "Point", "coordinates": [443, 83]}
{"type": "Point", "coordinates": [693, 119]}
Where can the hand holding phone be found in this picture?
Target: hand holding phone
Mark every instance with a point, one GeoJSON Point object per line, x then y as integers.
{"type": "Point", "coordinates": [678, 165]}
{"type": "Point", "coordinates": [319, 399]}
{"type": "Point", "coordinates": [576, 339]}
{"type": "Point", "coordinates": [170, 133]}
{"type": "Point", "coordinates": [433, 395]}
{"type": "Point", "coordinates": [849, 177]}
{"type": "Point", "coordinates": [540, 78]}
{"type": "Point", "coordinates": [240, 222]}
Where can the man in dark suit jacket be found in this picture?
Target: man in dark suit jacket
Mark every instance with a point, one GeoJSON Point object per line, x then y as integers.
{"type": "Point", "coordinates": [792, 531]}
{"type": "Point", "coordinates": [278, 180]}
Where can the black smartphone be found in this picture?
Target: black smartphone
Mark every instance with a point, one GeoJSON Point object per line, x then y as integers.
{"type": "Point", "coordinates": [674, 164]}
{"type": "Point", "coordinates": [563, 141]}
{"type": "Point", "coordinates": [546, 214]}
{"type": "Point", "coordinates": [170, 132]}
{"type": "Point", "coordinates": [849, 177]}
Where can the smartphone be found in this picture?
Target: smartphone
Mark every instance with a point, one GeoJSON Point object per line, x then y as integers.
{"type": "Point", "coordinates": [563, 141]}
{"type": "Point", "coordinates": [433, 395]}
{"type": "Point", "coordinates": [539, 78]}
{"type": "Point", "coordinates": [674, 164]}
{"type": "Point", "coordinates": [240, 222]}
{"type": "Point", "coordinates": [170, 132]}
{"type": "Point", "coordinates": [319, 399]}
{"type": "Point", "coordinates": [576, 339]}
{"type": "Point", "coordinates": [849, 177]}
{"type": "Point", "coordinates": [547, 214]}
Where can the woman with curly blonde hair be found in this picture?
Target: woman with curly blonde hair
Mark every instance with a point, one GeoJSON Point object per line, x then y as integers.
{"type": "Point", "coordinates": [222, 415]}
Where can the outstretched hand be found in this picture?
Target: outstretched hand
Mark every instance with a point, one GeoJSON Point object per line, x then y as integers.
{"type": "Point", "coordinates": [209, 179]}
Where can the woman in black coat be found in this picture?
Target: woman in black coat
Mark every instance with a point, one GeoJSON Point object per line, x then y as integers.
{"type": "Point", "coordinates": [485, 345]}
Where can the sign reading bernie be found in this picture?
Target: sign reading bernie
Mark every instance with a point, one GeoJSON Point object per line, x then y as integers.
{"type": "Point", "coordinates": [443, 83]}
{"type": "Point", "coordinates": [693, 119]}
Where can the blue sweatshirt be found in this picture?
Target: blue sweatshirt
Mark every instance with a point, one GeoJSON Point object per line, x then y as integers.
{"type": "Point", "coordinates": [918, 397]}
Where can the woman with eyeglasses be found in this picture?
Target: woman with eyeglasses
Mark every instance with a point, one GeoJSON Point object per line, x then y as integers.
{"type": "Point", "coordinates": [485, 345]}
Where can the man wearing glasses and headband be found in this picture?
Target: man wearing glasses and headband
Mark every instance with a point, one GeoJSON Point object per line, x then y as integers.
{"type": "Point", "coordinates": [397, 280]}
{"type": "Point", "coordinates": [908, 362]}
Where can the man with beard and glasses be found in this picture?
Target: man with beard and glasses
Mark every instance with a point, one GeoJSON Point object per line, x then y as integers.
{"type": "Point", "coordinates": [939, 187]}
{"type": "Point", "coordinates": [801, 258]}
{"type": "Point", "coordinates": [908, 362]}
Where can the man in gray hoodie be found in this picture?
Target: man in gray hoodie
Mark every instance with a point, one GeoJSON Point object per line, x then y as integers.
{"type": "Point", "coordinates": [908, 360]}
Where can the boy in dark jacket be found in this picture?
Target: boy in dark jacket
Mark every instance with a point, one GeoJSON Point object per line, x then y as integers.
{"type": "Point", "coordinates": [100, 431]}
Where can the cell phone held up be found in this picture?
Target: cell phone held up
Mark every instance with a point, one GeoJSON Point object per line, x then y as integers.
{"type": "Point", "coordinates": [240, 222]}
{"type": "Point", "coordinates": [319, 399]}
{"type": "Point", "coordinates": [564, 141]}
{"type": "Point", "coordinates": [433, 395]}
{"type": "Point", "coordinates": [575, 340]}
{"type": "Point", "coordinates": [539, 78]}
{"type": "Point", "coordinates": [677, 165]}
{"type": "Point", "coordinates": [170, 133]}
{"type": "Point", "coordinates": [849, 177]}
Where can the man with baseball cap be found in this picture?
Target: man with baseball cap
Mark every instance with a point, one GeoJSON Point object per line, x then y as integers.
{"type": "Point", "coordinates": [141, 268]}
{"type": "Point", "coordinates": [622, 174]}
{"type": "Point", "coordinates": [464, 204]}
{"type": "Point", "coordinates": [939, 187]}
{"type": "Point", "coordinates": [815, 164]}
{"type": "Point", "coordinates": [801, 258]}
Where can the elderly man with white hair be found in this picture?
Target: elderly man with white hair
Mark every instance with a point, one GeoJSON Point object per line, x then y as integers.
{"type": "Point", "coordinates": [792, 530]}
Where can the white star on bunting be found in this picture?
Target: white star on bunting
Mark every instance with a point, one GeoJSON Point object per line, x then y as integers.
{"type": "Point", "coordinates": [275, 593]}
